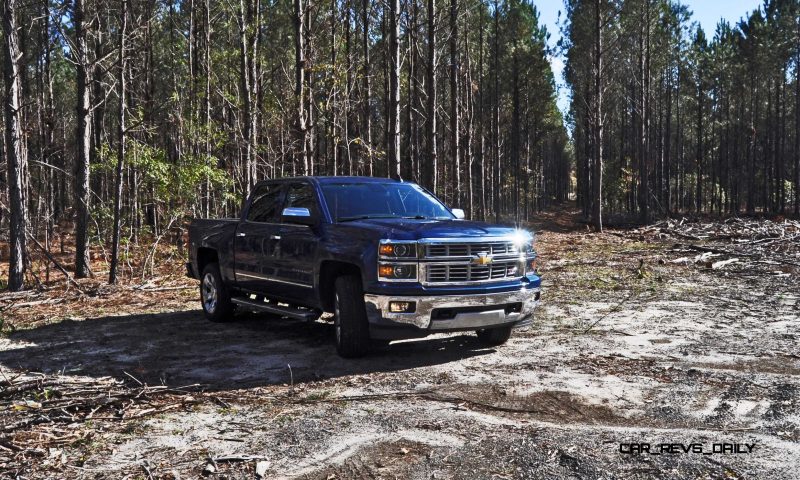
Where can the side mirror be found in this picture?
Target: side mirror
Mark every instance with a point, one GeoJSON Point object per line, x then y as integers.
{"type": "Point", "coordinates": [459, 213]}
{"type": "Point", "coordinates": [299, 215]}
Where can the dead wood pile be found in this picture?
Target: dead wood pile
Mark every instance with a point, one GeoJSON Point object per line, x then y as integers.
{"type": "Point", "coordinates": [736, 243]}
{"type": "Point", "coordinates": [40, 414]}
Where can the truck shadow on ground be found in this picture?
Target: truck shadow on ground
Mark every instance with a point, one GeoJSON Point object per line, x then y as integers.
{"type": "Point", "coordinates": [182, 348]}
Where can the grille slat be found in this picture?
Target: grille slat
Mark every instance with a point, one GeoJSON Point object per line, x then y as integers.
{"type": "Point", "coordinates": [448, 273]}
{"type": "Point", "coordinates": [449, 250]}
{"type": "Point", "coordinates": [459, 254]}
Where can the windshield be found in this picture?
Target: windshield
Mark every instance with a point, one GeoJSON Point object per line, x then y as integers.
{"type": "Point", "coordinates": [355, 201]}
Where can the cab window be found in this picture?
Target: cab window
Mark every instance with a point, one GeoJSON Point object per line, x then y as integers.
{"type": "Point", "coordinates": [301, 195]}
{"type": "Point", "coordinates": [265, 203]}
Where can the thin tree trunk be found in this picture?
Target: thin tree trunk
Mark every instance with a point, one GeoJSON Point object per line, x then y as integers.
{"type": "Point", "coordinates": [16, 154]}
{"type": "Point", "coordinates": [797, 130]}
{"type": "Point", "coordinates": [597, 140]}
{"type": "Point", "coordinates": [515, 130]}
{"type": "Point", "coordinates": [481, 132]}
{"type": "Point", "coordinates": [432, 167]}
{"type": "Point", "coordinates": [454, 113]}
{"type": "Point", "coordinates": [367, 94]}
{"type": "Point", "coordinates": [644, 152]}
{"type": "Point", "coordinates": [394, 90]}
{"type": "Point", "coordinates": [300, 85]}
{"type": "Point", "coordinates": [249, 34]}
{"type": "Point", "coordinates": [348, 101]}
{"type": "Point", "coordinates": [207, 135]}
{"type": "Point", "coordinates": [496, 112]}
{"type": "Point", "coordinates": [699, 153]}
{"type": "Point", "coordinates": [333, 154]}
{"type": "Point", "coordinates": [83, 142]}
{"type": "Point", "coordinates": [123, 79]}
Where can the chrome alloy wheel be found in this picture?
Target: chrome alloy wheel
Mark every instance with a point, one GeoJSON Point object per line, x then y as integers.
{"type": "Point", "coordinates": [208, 291]}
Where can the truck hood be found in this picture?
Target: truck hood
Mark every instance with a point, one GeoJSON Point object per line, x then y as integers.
{"type": "Point", "coordinates": [409, 229]}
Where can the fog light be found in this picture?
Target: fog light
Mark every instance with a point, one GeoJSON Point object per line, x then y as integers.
{"type": "Point", "coordinates": [402, 307]}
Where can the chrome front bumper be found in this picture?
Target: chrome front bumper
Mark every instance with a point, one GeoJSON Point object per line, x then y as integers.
{"type": "Point", "coordinates": [478, 314]}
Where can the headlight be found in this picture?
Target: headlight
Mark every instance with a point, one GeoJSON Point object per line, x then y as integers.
{"type": "Point", "coordinates": [402, 272]}
{"type": "Point", "coordinates": [523, 240]}
{"type": "Point", "coordinates": [396, 249]}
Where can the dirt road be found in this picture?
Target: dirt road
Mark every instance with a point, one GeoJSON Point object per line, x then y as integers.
{"type": "Point", "coordinates": [637, 342]}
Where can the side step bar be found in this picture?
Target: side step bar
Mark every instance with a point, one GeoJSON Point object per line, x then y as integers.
{"type": "Point", "coordinates": [284, 311]}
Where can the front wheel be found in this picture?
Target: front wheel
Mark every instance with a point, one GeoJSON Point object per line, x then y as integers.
{"type": "Point", "coordinates": [493, 337]}
{"type": "Point", "coordinates": [214, 297]}
{"type": "Point", "coordinates": [350, 321]}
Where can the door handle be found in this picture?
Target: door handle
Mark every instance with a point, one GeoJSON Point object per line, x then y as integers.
{"type": "Point", "coordinates": [274, 237]}
{"type": "Point", "coordinates": [240, 234]}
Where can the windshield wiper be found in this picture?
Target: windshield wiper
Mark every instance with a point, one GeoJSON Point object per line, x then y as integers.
{"type": "Point", "coordinates": [404, 217]}
{"type": "Point", "coordinates": [362, 217]}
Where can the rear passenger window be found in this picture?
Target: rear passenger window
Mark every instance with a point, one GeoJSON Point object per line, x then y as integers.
{"type": "Point", "coordinates": [301, 196]}
{"type": "Point", "coordinates": [264, 206]}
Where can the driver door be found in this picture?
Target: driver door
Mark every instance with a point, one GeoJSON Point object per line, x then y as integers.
{"type": "Point", "coordinates": [256, 240]}
{"type": "Point", "coordinates": [297, 247]}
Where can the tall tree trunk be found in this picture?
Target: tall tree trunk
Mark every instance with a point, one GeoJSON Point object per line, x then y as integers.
{"type": "Point", "coordinates": [121, 133]}
{"type": "Point", "coordinates": [207, 110]}
{"type": "Point", "coordinates": [300, 84]}
{"type": "Point", "coordinates": [515, 129]}
{"type": "Point", "coordinates": [597, 127]}
{"type": "Point", "coordinates": [83, 143]}
{"type": "Point", "coordinates": [797, 129]}
{"type": "Point", "coordinates": [333, 136]}
{"type": "Point", "coordinates": [699, 153]}
{"type": "Point", "coordinates": [346, 117]}
{"type": "Point", "coordinates": [496, 113]}
{"type": "Point", "coordinates": [454, 113]}
{"type": "Point", "coordinates": [644, 152]}
{"type": "Point", "coordinates": [664, 194]}
{"type": "Point", "coordinates": [469, 124]}
{"type": "Point", "coordinates": [367, 94]}
{"type": "Point", "coordinates": [16, 154]}
{"type": "Point", "coordinates": [430, 87]}
{"type": "Point", "coordinates": [249, 26]}
{"type": "Point", "coordinates": [481, 130]}
{"type": "Point", "coordinates": [394, 90]}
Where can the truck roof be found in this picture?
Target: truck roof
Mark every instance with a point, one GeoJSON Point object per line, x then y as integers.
{"type": "Point", "coordinates": [339, 179]}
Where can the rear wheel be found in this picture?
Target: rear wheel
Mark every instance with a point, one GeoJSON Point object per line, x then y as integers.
{"type": "Point", "coordinates": [494, 336]}
{"type": "Point", "coordinates": [350, 320]}
{"type": "Point", "coordinates": [214, 297]}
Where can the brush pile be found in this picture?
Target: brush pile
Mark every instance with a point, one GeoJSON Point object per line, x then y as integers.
{"type": "Point", "coordinates": [42, 414]}
{"type": "Point", "coordinates": [765, 246]}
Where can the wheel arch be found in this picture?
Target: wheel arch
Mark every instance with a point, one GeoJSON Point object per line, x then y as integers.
{"type": "Point", "coordinates": [328, 272]}
{"type": "Point", "coordinates": [206, 256]}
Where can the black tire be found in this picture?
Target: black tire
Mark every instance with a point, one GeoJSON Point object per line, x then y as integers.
{"type": "Point", "coordinates": [350, 318]}
{"type": "Point", "coordinates": [214, 296]}
{"type": "Point", "coordinates": [493, 337]}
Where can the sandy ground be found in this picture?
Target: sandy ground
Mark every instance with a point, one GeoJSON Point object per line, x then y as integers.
{"type": "Point", "coordinates": [628, 348]}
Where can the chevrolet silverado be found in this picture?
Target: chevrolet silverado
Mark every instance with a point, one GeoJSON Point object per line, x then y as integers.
{"type": "Point", "coordinates": [386, 257]}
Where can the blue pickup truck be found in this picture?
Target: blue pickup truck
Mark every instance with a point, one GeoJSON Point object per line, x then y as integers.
{"type": "Point", "coordinates": [386, 257]}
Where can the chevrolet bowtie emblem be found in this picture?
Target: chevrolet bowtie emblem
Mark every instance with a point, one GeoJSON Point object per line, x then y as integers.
{"type": "Point", "coordinates": [482, 259]}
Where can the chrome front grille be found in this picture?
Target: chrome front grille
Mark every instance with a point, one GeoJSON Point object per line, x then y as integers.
{"type": "Point", "coordinates": [466, 273]}
{"type": "Point", "coordinates": [455, 250]}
